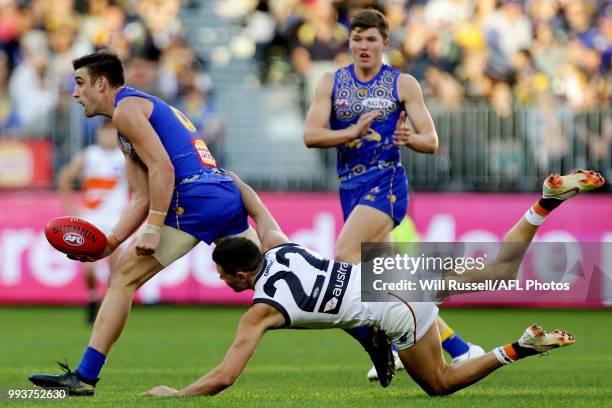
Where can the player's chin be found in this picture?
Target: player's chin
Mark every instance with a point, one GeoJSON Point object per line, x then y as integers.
{"type": "Point", "coordinates": [88, 112]}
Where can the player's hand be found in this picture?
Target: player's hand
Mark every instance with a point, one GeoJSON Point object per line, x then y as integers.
{"type": "Point", "coordinates": [93, 258]}
{"type": "Point", "coordinates": [402, 136]}
{"type": "Point", "coordinates": [364, 123]}
{"type": "Point", "coordinates": [160, 391]}
{"type": "Point", "coordinates": [81, 258]}
{"type": "Point", "coordinates": [147, 243]}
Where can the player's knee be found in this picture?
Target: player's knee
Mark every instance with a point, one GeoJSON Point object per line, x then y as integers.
{"type": "Point", "coordinates": [438, 385]}
{"type": "Point", "coordinates": [437, 389]}
{"type": "Point", "coordinates": [119, 282]}
{"type": "Point", "coordinates": [123, 277]}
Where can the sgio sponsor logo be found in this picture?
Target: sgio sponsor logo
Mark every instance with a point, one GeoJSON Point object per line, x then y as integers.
{"type": "Point", "coordinates": [378, 103]}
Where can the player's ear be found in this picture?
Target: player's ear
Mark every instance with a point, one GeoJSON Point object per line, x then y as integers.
{"type": "Point", "coordinates": [100, 83]}
{"type": "Point", "coordinates": [242, 275]}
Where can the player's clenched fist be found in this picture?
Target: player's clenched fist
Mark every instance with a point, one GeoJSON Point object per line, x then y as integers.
{"type": "Point", "coordinates": [147, 243]}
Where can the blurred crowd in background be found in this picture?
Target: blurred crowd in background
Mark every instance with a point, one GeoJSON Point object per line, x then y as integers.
{"type": "Point", "coordinates": [542, 68]}
{"type": "Point", "coordinates": [499, 51]}
{"type": "Point", "coordinates": [39, 39]}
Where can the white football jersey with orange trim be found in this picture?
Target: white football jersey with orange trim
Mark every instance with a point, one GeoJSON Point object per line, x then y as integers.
{"type": "Point", "coordinates": [104, 182]}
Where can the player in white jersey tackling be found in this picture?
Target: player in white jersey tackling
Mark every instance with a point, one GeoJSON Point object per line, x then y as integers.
{"type": "Point", "coordinates": [297, 288]}
{"type": "Point", "coordinates": [100, 168]}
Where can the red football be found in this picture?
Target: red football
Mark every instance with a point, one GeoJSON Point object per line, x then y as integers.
{"type": "Point", "coordinates": [75, 236]}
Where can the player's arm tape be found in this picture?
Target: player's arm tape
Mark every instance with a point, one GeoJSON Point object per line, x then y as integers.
{"type": "Point", "coordinates": [113, 241]}
{"type": "Point", "coordinates": [151, 229]}
{"type": "Point", "coordinates": [156, 218]}
{"type": "Point", "coordinates": [162, 213]}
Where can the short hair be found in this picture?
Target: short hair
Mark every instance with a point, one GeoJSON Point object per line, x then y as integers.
{"type": "Point", "coordinates": [102, 63]}
{"type": "Point", "coordinates": [236, 254]}
{"type": "Point", "coordinates": [370, 18]}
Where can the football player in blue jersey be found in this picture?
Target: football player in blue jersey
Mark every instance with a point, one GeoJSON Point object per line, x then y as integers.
{"type": "Point", "coordinates": [178, 191]}
{"type": "Point", "coordinates": [361, 109]}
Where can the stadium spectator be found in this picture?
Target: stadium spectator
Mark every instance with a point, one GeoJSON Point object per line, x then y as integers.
{"type": "Point", "coordinates": [508, 18]}
{"type": "Point", "coordinates": [194, 102]}
{"type": "Point", "coordinates": [443, 88]}
{"type": "Point", "coordinates": [472, 72]}
{"type": "Point", "coordinates": [12, 22]}
{"type": "Point", "coordinates": [444, 13]}
{"type": "Point", "coordinates": [141, 72]}
{"type": "Point", "coordinates": [8, 118]}
{"type": "Point", "coordinates": [547, 51]}
{"type": "Point", "coordinates": [32, 88]}
{"type": "Point", "coordinates": [161, 20]}
{"type": "Point", "coordinates": [316, 42]}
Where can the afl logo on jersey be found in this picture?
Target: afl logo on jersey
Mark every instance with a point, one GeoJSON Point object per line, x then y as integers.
{"type": "Point", "coordinates": [382, 104]}
{"type": "Point", "coordinates": [343, 103]}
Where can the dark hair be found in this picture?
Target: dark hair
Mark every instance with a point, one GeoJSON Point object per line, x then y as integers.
{"type": "Point", "coordinates": [236, 254]}
{"type": "Point", "coordinates": [370, 18]}
{"type": "Point", "coordinates": [102, 63]}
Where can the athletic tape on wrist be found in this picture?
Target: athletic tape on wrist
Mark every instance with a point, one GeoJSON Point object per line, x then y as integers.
{"type": "Point", "coordinates": [151, 229]}
{"type": "Point", "coordinates": [112, 240]}
{"type": "Point", "coordinates": [162, 213]}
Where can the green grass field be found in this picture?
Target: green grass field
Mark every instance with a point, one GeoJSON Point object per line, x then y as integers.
{"type": "Point", "coordinates": [175, 345]}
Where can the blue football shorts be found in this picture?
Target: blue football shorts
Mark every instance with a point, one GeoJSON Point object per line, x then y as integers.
{"type": "Point", "coordinates": [386, 190]}
{"type": "Point", "coordinates": [208, 210]}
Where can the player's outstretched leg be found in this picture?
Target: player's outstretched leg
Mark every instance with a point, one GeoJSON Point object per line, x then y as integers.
{"type": "Point", "coordinates": [533, 341]}
{"type": "Point", "coordinates": [556, 190]}
{"type": "Point", "coordinates": [425, 364]}
{"type": "Point", "coordinates": [131, 272]}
